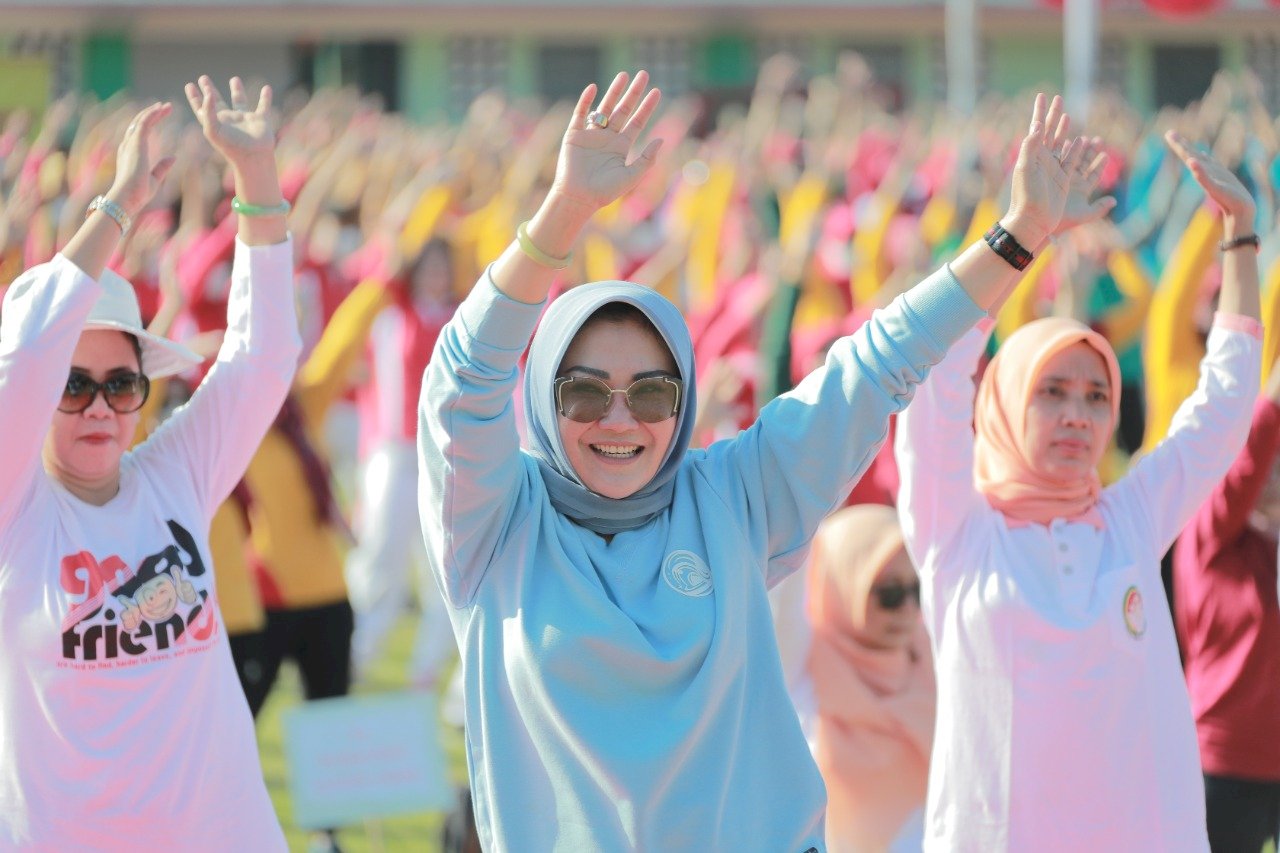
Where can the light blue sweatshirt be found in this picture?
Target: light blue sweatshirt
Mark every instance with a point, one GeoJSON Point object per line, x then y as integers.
{"type": "Point", "coordinates": [627, 694]}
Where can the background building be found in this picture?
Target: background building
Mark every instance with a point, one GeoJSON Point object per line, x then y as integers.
{"type": "Point", "coordinates": [429, 58]}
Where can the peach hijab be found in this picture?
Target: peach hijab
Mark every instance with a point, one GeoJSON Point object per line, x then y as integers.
{"type": "Point", "coordinates": [875, 707]}
{"type": "Point", "coordinates": [1001, 470]}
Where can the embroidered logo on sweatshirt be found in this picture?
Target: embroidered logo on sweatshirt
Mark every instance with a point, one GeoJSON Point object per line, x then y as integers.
{"type": "Point", "coordinates": [120, 616]}
{"type": "Point", "coordinates": [686, 573]}
{"type": "Point", "coordinates": [1135, 616]}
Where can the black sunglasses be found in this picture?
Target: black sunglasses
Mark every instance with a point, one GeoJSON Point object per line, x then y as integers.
{"type": "Point", "coordinates": [585, 399]}
{"type": "Point", "coordinates": [124, 393]}
{"type": "Point", "coordinates": [891, 596]}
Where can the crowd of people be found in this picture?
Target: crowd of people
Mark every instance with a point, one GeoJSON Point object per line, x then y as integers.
{"type": "Point", "coordinates": [939, 509]}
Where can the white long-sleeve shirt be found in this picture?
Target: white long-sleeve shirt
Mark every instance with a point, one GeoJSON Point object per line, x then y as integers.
{"type": "Point", "coordinates": [1063, 719]}
{"type": "Point", "coordinates": [122, 721]}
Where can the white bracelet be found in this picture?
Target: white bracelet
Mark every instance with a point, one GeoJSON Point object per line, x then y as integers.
{"type": "Point", "coordinates": [113, 210]}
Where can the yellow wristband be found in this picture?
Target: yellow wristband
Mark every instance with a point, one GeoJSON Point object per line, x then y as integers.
{"type": "Point", "coordinates": [536, 254]}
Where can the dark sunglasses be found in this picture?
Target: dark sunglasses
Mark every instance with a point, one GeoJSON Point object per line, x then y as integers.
{"type": "Point", "coordinates": [585, 399]}
{"type": "Point", "coordinates": [124, 393]}
{"type": "Point", "coordinates": [892, 596]}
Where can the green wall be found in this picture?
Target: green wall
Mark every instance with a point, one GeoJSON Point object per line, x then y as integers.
{"type": "Point", "coordinates": [1016, 65]}
{"type": "Point", "coordinates": [107, 64]}
{"type": "Point", "coordinates": [424, 79]}
{"type": "Point", "coordinates": [726, 60]}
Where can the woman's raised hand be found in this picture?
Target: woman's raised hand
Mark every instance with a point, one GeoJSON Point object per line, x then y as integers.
{"type": "Point", "coordinates": [1217, 181]}
{"type": "Point", "coordinates": [1041, 179]}
{"type": "Point", "coordinates": [141, 166]}
{"type": "Point", "coordinates": [246, 137]}
{"type": "Point", "coordinates": [1084, 165]}
{"type": "Point", "coordinates": [593, 169]}
{"type": "Point", "coordinates": [237, 132]}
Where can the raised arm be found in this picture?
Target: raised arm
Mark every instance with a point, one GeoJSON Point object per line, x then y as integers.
{"type": "Point", "coordinates": [468, 448]}
{"type": "Point", "coordinates": [591, 172]}
{"type": "Point", "coordinates": [1239, 259]}
{"type": "Point", "coordinates": [1211, 425]}
{"type": "Point", "coordinates": [1042, 202]}
{"type": "Point", "coordinates": [140, 170]}
{"type": "Point", "coordinates": [934, 449]}
{"type": "Point", "coordinates": [214, 436]}
{"type": "Point", "coordinates": [810, 445]}
{"type": "Point", "coordinates": [45, 309]}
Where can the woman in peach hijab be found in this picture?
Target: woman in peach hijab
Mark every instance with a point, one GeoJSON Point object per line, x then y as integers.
{"type": "Point", "coordinates": [872, 678]}
{"type": "Point", "coordinates": [1063, 719]}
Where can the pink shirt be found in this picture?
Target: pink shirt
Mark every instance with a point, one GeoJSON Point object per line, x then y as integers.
{"type": "Point", "coordinates": [1063, 720]}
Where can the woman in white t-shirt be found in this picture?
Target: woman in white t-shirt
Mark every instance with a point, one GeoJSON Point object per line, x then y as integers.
{"type": "Point", "coordinates": [121, 718]}
{"type": "Point", "coordinates": [1063, 721]}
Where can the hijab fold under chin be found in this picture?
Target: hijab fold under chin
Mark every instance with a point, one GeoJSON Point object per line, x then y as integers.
{"type": "Point", "coordinates": [1002, 471]}
{"type": "Point", "coordinates": [559, 325]}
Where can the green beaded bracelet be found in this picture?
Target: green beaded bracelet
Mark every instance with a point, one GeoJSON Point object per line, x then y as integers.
{"type": "Point", "coordinates": [245, 209]}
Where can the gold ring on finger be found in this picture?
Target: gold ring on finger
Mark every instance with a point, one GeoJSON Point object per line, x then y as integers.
{"type": "Point", "coordinates": [596, 118]}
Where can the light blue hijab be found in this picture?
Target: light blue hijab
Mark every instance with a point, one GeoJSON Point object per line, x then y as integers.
{"type": "Point", "coordinates": [559, 325]}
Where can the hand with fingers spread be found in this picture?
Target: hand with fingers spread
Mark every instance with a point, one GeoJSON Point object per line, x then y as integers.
{"type": "Point", "coordinates": [237, 132]}
{"type": "Point", "coordinates": [246, 137]}
{"type": "Point", "coordinates": [1042, 175]}
{"type": "Point", "coordinates": [1052, 181]}
{"type": "Point", "coordinates": [595, 166]}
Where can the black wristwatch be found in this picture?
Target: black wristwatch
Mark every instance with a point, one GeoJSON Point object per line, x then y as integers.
{"type": "Point", "coordinates": [1006, 246]}
{"type": "Point", "coordinates": [1246, 240]}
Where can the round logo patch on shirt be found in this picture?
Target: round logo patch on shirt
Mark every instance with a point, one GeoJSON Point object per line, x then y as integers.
{"type": "Point", "coordinates": [687, 573]}
{"type": "Point", "coordinates": [1135, 616]}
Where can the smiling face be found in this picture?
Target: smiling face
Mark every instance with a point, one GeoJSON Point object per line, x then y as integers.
{"type": "Point", "coordinates": [1069, 416]}
{"type": "Point", "coordinates": [157, 598]}
{"type": "Point", "coordinates": [617, 455]}
{"type": "Point", "coordinates": [84, 449]}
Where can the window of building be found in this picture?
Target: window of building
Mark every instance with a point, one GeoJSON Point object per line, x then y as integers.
{"type": "Point", "coordinates": [669, 61]}
{"type": "Point", "coordinates": [564, 70]}
{"type": "Point", "coordinates": [476, 64]}
{"type": "Point", "coordinates": [1183, 72]}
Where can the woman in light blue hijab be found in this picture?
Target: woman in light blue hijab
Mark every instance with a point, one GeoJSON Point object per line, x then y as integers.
{"type": "Point", "coordinates": [654, 315]}
{"type": "Point", "coordinates": [608, 585]}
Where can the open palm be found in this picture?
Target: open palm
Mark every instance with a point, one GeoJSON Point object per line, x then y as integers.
{"type": "Point", "coordinates": [593, 168]}
{"type": "Point", "coordinates": [1084, 169]}
{"type": "Point", "coordinates": [141, 164]}
{"type": "Point", "coordinates": [235, 131]}
{"type": "Point", "coordinates": [1216, 179]}
{"type": "Point", "coordinates": [1040, 181]}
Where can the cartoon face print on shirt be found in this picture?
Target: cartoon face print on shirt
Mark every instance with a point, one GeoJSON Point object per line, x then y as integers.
{"type": "Point", "coordinates": [156, 599]}
{"type": "Point", "coordinates": [159, 608]}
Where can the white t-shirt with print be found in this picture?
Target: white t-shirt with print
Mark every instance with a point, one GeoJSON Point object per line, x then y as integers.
{"type": "Point", "coordinates": [122, 721]}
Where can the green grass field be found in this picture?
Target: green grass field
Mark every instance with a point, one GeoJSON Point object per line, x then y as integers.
{"type": "Point", "coordinates": [415, 833]}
